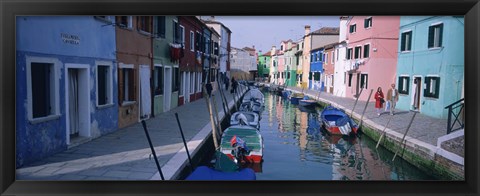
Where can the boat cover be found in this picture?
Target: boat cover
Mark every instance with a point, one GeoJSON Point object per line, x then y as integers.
{"type": "Point", "coordinates": [206, 173]}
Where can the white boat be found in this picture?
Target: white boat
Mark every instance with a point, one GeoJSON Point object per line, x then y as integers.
{"type": "Point", "coordinates": [245, 118]}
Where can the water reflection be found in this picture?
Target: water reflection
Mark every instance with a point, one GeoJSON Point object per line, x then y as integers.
{"type": "Point", "coordinates": [297, 148]}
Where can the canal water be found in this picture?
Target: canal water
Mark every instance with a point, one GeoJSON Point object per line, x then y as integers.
{"type": "Point", "coordinates": [296, 148]}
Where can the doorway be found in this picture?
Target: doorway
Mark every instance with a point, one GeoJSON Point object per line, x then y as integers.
{"type": "Point", "coordinates": [77, 103]}
{"type": "Point", "coordinates": [416, 90]}
{"type": "Point", "coordinates": [168, 89]}
{"type": "Point", "coordinates": [145, 94]}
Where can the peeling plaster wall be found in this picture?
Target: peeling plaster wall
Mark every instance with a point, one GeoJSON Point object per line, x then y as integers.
{"type": "Point", "coordinates": [96, 42]}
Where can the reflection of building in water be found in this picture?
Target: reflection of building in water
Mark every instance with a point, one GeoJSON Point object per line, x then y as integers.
{"type": "Point", "coordinates": [303, 130]}
{"type": "Point", "coordinates": [270, 110]}
{"type": "Point", "coordinates": [279, 113]}
{"type": "Point", "coordinates": [351, 163]}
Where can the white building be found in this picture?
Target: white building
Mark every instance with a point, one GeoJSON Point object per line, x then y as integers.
{"type": "Point", "coordinates": [340, 59]}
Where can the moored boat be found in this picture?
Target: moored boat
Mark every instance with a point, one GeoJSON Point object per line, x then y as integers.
{"type": "Point", "coordinates": [296, 97]}
{"type": "Point", "coordinates": [223, 169]}
{"type": "Point", "coordinates": [336, 122]}
{"type": "Point", "coordinates": [307, 102]}
{"type": "Point", "coordinates": [242, 144]}
{"type": "Point", "coordinates": [245, 118]}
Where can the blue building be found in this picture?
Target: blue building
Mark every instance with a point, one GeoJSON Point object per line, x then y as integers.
{"type": "Point", "coordinates": [65, 83]}
{"type": "Point", "coordinates": [316, 70]}
{"type": "Point", "coordinates": [430, 69]}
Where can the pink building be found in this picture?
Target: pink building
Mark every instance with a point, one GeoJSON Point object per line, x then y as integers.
{"type": "Point", "coordinates": [371, 54]}
{"type": "Point", "coordinates": [281, 62]}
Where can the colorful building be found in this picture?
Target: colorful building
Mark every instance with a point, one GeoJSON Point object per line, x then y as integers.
{"type": "Point", "coordinates": [430, 69]}
{"type": "Point", "coordinates": [66, 79]}
{"type": "Point", "coordinates": [190, 64]}
{"type": "Point", "coordinates": [316, 69]}
{"type": "Point", "coordinates": [328, 68]}
{"type": "Point", "coordinates": [264, 65]}
{"type": "Point", "coordinates": [320, 38]}
{"type": "Point", "coordinates": [290, 64]}
{"type": "Point", "coordinates": [299, 62]}
{"type": "Point", "coordinates": [134, 49]}
{"type": "Point", "coordinates": [225, 44]}
{"type": "Point", "coordinates": [371, 54]}
{"type": "Point", "coordinates": [339, 84]}
{"type": "Point", "coordinates": [306, 47]}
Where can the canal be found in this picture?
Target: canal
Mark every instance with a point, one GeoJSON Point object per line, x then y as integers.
{"type": "Point", "coordinates": [296, 148]}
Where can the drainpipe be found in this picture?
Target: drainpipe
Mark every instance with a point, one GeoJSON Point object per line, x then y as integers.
{"type": "Point", "coordinates": [152, 70]}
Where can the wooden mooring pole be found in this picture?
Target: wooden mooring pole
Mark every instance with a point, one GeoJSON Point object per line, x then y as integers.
{"type": "Point", "coordinates": [184, 142]}
{"type": "Point", "coordinates": [219, 126]}
{"type": "Point", "coordinates": [408, 128]}
{"type": "Point", "coordinates": [220, 90]}
{"type": "Point", "coordinates": [383, 132]}
{"type": "Point", "coordinates": [212, 121]}
{"type": "Point", "coordinates": [153, 150]}
{"type": "Point", "coordinates": [356, 100]}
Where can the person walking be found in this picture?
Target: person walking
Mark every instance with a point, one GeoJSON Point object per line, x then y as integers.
{"type": "Point", "coordinates": [392, 98]}
{"type": "Point", "coordinates": [227, 83]}
{"type": "Point", "coordinates": [234, 85]}
{"type": "Point", "coordinates": [379, 100]}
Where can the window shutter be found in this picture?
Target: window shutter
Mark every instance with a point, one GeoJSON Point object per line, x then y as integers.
{"type": "Point", "coordinates": [365, 23]}
{"type": "Point", "coordinates": [437, 87]}
{"type": "Point", "coordinates": [440, 36]}
{"type": "Point", "coordinates": [431, 33]}
{"type": "Point", "coordinates": [402, 47]}
{"type": "Point", "coordinates": [427, 85]}
{"type": "Point", "coordinates": [408, 85]}
{"type": "Point", "coordinates": [400, 84]}
{"type": "Point", "coordinates": [120, 86]}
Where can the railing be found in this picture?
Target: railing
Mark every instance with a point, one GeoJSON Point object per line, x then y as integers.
{"type": "Point", "coordinates": [452, 113]}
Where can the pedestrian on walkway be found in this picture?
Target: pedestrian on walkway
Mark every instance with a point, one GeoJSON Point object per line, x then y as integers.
{"type": "Point", "coordinates": [234, 86]}
{"type": "Point", "coordinates": [392, 98]}
{"type": "Point", "coordinates": [379, 100]}
{"type": "Point", "coordinates": [209, 89]}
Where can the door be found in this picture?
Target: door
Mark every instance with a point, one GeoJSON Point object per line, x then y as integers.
{"type": "Point", "coordinates": [168, 89]}
{"type": "Point", "coordinates": [77, 102]}
{"type": "Point", "coordinates": [73, 114]}
{"type": "Point", "coordinates": [145, 94]}
{"type": "Point", "coordinates": [417, 86]}
{"type": "Point", "coordinates": [186, 91]}
{"type": "Point", "coordinates": [357, 89]}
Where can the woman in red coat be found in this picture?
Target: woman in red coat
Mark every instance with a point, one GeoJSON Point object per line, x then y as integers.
{"type": "Point", "coordinates": [379, 99]}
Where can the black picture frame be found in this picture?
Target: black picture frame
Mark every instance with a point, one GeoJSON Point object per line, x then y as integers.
{"type": "Point", "coordinates": [9, 9]}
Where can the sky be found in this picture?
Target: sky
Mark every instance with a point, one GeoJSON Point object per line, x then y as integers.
{"type": "Point", "coordinates": [267, 31]}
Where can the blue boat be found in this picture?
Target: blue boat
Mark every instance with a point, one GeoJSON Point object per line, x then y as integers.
{"type": "Point", "coordinates": [296, 97]}
{"type": "Point", "coordinates": [336, 122]}
{"type": "Point", "coordinates": [286, 93]}
{"type": "Point", "coordinates": [207, 173]}
{"type": "Point", "coordinates": [307, 102]}
{"type": "Point", "coordinates": [224, 169]}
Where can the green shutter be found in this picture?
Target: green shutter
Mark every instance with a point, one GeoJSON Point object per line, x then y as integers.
{"type": "Point", "coordinates": [402, 47]}
{"type": "Point", "coordinates": [310, 76]}
{"type": "Point", "coordinates": [427, 85]}
{"type": "Point", "coordinates": [431, 35]}
{"type": "Point", "coordinates": [437, 87]}
{"type": "Point", "coordinates": [408, 85]}
{"type": "Point", "coordinates": [440, 36]}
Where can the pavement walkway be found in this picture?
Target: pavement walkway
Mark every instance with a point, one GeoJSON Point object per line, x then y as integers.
{"type": "Point", "coordinates": [125, 154]}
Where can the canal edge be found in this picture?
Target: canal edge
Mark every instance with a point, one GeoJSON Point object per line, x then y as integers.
{"type": "Point", "coordinates": [429, 158]}
{"type": "Point", "coordinates": [174, 167]}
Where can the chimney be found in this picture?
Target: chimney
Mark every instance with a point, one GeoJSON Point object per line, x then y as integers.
{"type": "Point", "coordinates": [307, 29]}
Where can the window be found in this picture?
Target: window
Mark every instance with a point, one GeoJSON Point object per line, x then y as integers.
{"type": "Point", "coordinates": [176, 79]}
{"type": "Point", "coordinates": [312, 56]}
{"type": "Point", "coordinates": [198, 41]}
{"type": "Point", "coordinates": [316, 76]}
{"type": "Point", "coordinates": [358, 50]}
{"type": "Point", "coordinates": [333, 56]}
{"type": "Point", "coordinates": [318, 57]}
{"type": "Point", "coordinates": [206, 44]}
{"type": "Point", "coordinates": [216, 48]}
{"type": "Point", "coordinates": [127, 84]}
{"type": "Point", "coordinates": [406, 42]}
{"type": "Point", "coordinates": [192, 41]}
{"type": "Point", "coordinates": [403, 84]}
{"type": "Point", "coordinates": [124, 21]}
{"type": "Point", "coordinates": [338, 54]}
{"type": "Point", "coordinates": [432, 86]}
{"type": "Point", "coordinates": [364, 81]}
{"type": "Point", "coordinates": [326, 58]}
{"type": "Point", "coordinates": [310, 75]}
{"type": "Point", "coordinates": [301, 77]}
{"type": "Point", "coordinates": [435, 36]}
{"type": "Point", "coordinates": [182, 36]}
{"type": "Point", "coordinates": [283, 75]}
{"type": "Point", "coordinates": [104, 85]}
{"type": "Point", "coordinates": [349, 53]}
{"type": "Point", "coordinates": [144, 24]}
{"type": "Point", "coordinates": [178, 33]}
{"type": "Point", "coordinates": [192, 82]}
{"type": "Point", "coordinates": [350, 76]}
{"type": "Point", "coordinates": [368, 22]}
{"type": "Point", "coordinates": [158, 80]}
{"type": "Point", "coordinates": [160, 27]}
{"type": "Point", "coordinates": [366, 50]}
{"type": "Point", "coordinates": [264, 66]}
{"type": "Point", "coordinates": [42, 88]}
{"type": "Point", "coordinates": [353, 28]}
{"type": "Point", "coordinates": [281, 47]}
{"type": "Point", "coordinates": [288, 75]}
